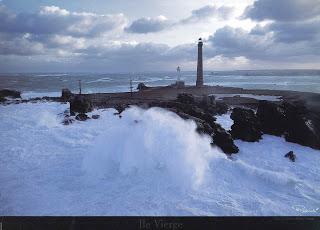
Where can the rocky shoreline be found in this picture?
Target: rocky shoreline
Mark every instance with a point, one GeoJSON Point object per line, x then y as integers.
{"type": "Point", "coordinates": [295, 117]}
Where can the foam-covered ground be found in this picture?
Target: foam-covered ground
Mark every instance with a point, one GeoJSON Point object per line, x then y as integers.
{"type": "Point", "coordinates": [146, 163]}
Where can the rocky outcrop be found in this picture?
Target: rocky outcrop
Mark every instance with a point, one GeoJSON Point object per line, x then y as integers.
{"type": "Point", "coordinates": [292, 120]}
{"type": "Point", "coordinates": [223, 139]}
{"type": "Point", "coordinates": [198, 110]}
{"type": "Point", "coordinates": [82, 117]}
{"type": "Point", "coordinates": [302, 126]}
{"type": "Point", "coordinates": [66, 95]}
{"type": "Point", "coordinates": [10, 93]}
{"type": "Point", "coordinates": [272, 118]}
{"type": "Point", "coordinates": [206, 103]}
{"type": "Point", "coordinates": [68, 120]}
{"type": "Point", "coordinates": [95, 116]}
{"type": "Point", "coordinates": [80, 104]}
{"type": "Point", "coordinates": [120, 108]}
{"type": "Point", "coordinates": [186, 98]}
{"type": "Point", "coordinates": [142, 86]}
{"type": "Point", "coordinates": [291, 156]}
{"type": "Point", "coordinates": [246, 125]}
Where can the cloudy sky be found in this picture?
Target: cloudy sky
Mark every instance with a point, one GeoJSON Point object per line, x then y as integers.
{"type": "Point", "coordinates": [157, 35]}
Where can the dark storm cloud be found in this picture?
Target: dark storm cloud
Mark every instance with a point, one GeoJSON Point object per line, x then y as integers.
{"type": "Point", "coordinates": [235, 42]}
{"type": "Point", "coordinates": [148, 25]}
{"type": "Point", "coordinates": [298, 31]}
{"type": "Point", "coordinates": [283, 10]}
{"type": "Point", "coordinates": [293, 32]}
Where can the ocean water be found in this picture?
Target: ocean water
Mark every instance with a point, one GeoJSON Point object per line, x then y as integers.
{"type": "Point", "coordinates": [51, 84]}
{"type": "Point", "coordinates": [149, 162]}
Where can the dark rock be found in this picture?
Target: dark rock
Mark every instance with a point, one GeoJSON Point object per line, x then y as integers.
{"type": "Point", "coordinates": [302, 125]}
{"type": "Point", "coordinates": [291, 156]}
{"type": "Point", "coordinates": [120, 108]}
{"type": "Point", "coordinates": [210, 105]}
{"type": "Point", "coordinates": [9, 93]}
{"type": "Point", "coordinates": [220, 108]}
{"type": "Point", "coordinates": [291, 119]}
{"type": "Point", "coordinates": [142, 86]}
{"type": "Point", "coordinates": [185, 98]}
{"type": "Point", "coordinates": [205, 101]}
{"type": "Point", "coordinates": [82, 117]}
{"type": "Point", "coordinates": [246, 125]}
{"type": "Point", "coordinates": [80, 104]}
{"type": "Point", "coordinates": [272, 118]}
{"type": "Point", "coordinates": [95, 116]}
{"type": "Point", "coordinates": [66, 95]}
{"type": "Point", "coordinates": [223, 139]}
{"type": "Point", "coordinates": [220, 137]}
{"type": "Point", "coordinates": [68, 121]}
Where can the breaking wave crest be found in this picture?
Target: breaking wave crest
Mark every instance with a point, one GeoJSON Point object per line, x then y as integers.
{"type": "Point", "coordinates": [154, 141]}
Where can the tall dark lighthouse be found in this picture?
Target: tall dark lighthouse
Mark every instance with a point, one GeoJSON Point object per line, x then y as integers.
{"type": "Point", "coordinates": [199, 82]}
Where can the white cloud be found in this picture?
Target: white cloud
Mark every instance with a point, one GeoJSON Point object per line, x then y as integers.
{"type": "Point", "coordinates": [148, 25]}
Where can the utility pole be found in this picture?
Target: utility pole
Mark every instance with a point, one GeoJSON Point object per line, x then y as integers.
{"type": "Point", "coordinates": [80, 87]}
{"type": "Point", "coordinates": [131, 87]}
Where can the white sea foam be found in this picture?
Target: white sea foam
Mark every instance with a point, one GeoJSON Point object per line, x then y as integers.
{"type": "Point", "coordinates": [149, 162]}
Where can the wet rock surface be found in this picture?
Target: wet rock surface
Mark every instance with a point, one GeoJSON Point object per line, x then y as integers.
{"type": "Point", "coordinates": [292, 120]}
{"type": "Point", "coordinates": [66, 95]}
{"type": "Point", "coordinates": [272, 118]}
{"type": "Point", "coordinates": [246, 125]}
{"type": "Point", "coordinates": [80, 104]}
{"type": "Point", "coordinates": [291, 156]}
{"type": "Point", "coordinates": [6, 93]}
{"type": "Point", "coordinates": [201, 110]}
{"type": "Point", "coordinates": [95, 116]}
{"type": "Point", "coordinates": [10, 93]}
{"type": "Point", "coordinates": [142, 86]}
{"type": "Point", "coordinates": [82, 117]}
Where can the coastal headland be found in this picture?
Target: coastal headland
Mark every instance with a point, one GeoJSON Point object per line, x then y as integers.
{"type": "Point", "coordinates": [293, 115]}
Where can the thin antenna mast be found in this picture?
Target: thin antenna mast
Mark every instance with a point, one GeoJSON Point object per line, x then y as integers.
{"type": "Point", "coordinates": [131, 87]}
{"type": "Point", "coordinates": [79, 86]}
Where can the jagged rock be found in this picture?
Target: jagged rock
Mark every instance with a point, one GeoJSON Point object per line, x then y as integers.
{"type": "Point", "coordinates": [291, 119]}
{"type": "Point", "coordinates": [82, 117]}
{"type": "Point", "coordinates": [68, 121]}
{"type": "Point", "coordinates": [220, 137]}
{"type": "Point", "coordinates": [120, 108]}
{"type": "Point", "coordinates": [142, 86]}
{"type": "Point", "coordinates": [303, 127]}
{"type": "Point", "coordinates": [220, 108]}
{"type": "Point", "coordinates": [223, 139]}
{"type": "Point", "coordinates": [95, 116]}
{"type": "Point", "coordinates": [272, 118]}
{"type": "Point", "coordinates": [66, 95]}
{"type": "Point", "coordinates": [291, 156]}
{"type": "Point", "coordinates": [185, 98]}
{"type": "Point", "coordinates": [246, 125]}
{"type": "Point", "coordinates": [9, 93]}
{"type": "Point", "coordinates": [80, 104]}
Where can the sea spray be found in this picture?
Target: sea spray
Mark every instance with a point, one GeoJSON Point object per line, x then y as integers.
{"type": "Point", "coordinates": [50, 170]}
{"type": "Point", "coordinates": [152, 142]}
